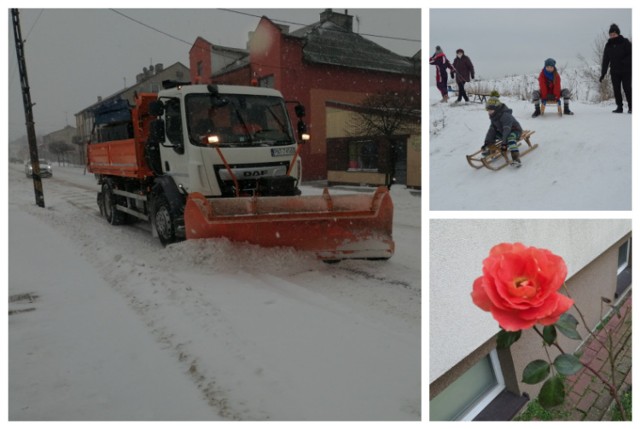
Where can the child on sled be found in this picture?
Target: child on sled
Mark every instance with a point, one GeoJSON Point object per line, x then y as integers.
{"type": "Point", "coordinates": [504, 127]}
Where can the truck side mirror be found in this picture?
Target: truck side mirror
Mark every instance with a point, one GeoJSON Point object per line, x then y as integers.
{"type": "Point", "coordinates": [156, 108]}
{"type": "Point", "coordinates": [299, 110]}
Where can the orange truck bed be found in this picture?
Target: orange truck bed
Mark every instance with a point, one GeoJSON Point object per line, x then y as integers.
{"type": "Point", "coordinates": [118, 158]}
{"type": "Point", "coordinates": [125, 158]}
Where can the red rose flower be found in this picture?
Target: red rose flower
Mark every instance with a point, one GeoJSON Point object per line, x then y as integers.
{"type": "Point", "coordinates": [519, 286]}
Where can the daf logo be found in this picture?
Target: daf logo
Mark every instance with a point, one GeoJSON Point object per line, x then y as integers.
{"type": "Point", "coordinates": [255, 173]}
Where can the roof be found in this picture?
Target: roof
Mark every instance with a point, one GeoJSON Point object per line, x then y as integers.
{"type": "Point", "coordinates": [118, 94]}
{"type": "Point", "coordinates": [415, 114]}
{"type": "Point", "coordinates": [328, 43]}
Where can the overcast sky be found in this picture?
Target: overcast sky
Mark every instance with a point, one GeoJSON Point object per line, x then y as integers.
{"type": "Point", "coordinates": [75, 55]}
{"type": "Point", "coordinates": [503, 42]}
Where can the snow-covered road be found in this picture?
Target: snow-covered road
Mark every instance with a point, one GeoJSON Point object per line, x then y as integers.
{"type": "Point", "coordinates": [124, 329]}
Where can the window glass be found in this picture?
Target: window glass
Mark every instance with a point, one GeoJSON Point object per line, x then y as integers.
{"type": "Point", "coordinates": [266, 82]}
{"type": "Point", "coordinates": [238, 120]}
{"type": "Point", "coordinates": [461, 395]}
{"type": "Point", "coordinates": [623, 256]}
{"type": "Point", "coordinates": [173, 121]}
{"type": "Point", "coordinates": [363, 156]}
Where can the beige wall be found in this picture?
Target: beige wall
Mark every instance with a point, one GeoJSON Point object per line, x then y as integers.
{"type": "Point", "coordinates": [414, 161]}
{"type": "Point", "coordinates": [355, 177]}
{"type": "Point", "coordinates": [337, 120]}
{"type": "Point", "coordinates": [458, 247]}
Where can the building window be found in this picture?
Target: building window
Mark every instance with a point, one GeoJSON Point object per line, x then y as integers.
{"type": "Point", "coordinates": [266, 81]}
{"type": "Point", "coordinates": [363, 156]}
{"type": "Point", "coordinates": [468, 395]}
{"type": "Point", "coordinates": [624, 268]}
{"type": "Point", "coordinates": [623, 256]}
{"type": "Point", "coordinates": [199, 68]}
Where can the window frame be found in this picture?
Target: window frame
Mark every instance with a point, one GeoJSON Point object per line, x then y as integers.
{"type": "Point", "coordinates": [482, 403]}
{"type": "Point", "coordinates": [469, 411]}
{"type": "Point", "coordinates": [624, 265]}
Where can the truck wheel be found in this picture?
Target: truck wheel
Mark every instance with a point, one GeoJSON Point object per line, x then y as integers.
{"type": "Point", "coordinates": [113, 216]}
{"type": "Point", "coordinates": [163, 221]}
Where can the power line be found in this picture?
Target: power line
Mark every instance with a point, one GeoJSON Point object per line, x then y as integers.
{"type": "Point", "coordinates": [33, 25]}
{"type": "Point", "coordinates": [152, 28]}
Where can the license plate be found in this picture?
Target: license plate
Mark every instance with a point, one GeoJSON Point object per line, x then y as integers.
{"type": "Point", "coordinates": [283, 151]}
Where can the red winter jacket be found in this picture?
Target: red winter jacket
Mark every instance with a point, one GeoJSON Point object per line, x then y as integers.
{"type": "Point", "coordinates": [549, 87]}
{"type": "Point", "coordinates": [442, 64]}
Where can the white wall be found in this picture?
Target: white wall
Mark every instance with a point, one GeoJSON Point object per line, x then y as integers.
{"type": "Point", "coordinates": [457, 249]}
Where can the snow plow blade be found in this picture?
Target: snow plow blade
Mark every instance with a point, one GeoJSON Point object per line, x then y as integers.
{"type": "Point", "coordinates": [333, 227]}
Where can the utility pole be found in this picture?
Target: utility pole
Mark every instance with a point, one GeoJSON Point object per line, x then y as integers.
{"type": "Point", "coordinates": [28, 110]}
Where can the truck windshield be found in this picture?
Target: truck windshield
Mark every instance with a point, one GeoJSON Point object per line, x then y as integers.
{"type": "Point", "coordinates": [238, 120]}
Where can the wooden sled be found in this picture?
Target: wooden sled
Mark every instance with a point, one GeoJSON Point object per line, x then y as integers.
{"type": "Point", "coordinates": [492, 161]}
{"type": "Point", "coordinates": [542, 109]}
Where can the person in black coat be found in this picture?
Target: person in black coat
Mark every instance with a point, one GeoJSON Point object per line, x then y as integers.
{"type": "Point", "coordinates": [617, 58]}
{"type": "Point", "coordinates": [463, 72]}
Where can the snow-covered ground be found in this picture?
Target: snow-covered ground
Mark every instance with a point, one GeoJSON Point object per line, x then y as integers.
{"type": "Point", "coordinates": [117, 327]}
{"type": "Point", "coordinates": [583, 162]}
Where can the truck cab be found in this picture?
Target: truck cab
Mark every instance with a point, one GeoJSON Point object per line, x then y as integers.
{"type": "Point", "coordinates": [223, 141]}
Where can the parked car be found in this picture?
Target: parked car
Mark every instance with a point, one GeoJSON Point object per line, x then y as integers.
{"type": "Point", "coordinates": [45, 168]}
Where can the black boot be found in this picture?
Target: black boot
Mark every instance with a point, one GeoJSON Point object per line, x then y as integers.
{"type": "Point", "coordinates": [566, 109]}
{"type": "Point", "coordinates": [515, 158]}
{"type": "Point", "coordinates": [618, 110]}
{"type": "Point", "coordinates": [536, 112]}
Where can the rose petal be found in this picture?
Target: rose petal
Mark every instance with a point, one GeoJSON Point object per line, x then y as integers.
{"type": "Point", "coordinates": [479, 296]}
{"type": "Point", "coordinates": [564, 304]}
{"type": "Point", "coordinates": [511, 320]}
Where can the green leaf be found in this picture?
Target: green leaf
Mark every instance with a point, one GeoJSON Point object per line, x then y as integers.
{"type": "Point", "coordinates": [567, 325]}
{"type": "Point", "coordinates": [549, 334]}
{"type": "Point", "coordinates": [506, 338]}
{"type": "Point", "coordinates": [536, 371]}
{"type": "Point", "coordinates": [552, 392]}
{"type": "Point", "coordinates": [567, 364]}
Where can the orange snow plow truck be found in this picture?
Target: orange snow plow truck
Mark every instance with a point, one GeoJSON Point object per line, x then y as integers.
{"type": "Point", "coordinates": [206, 161]}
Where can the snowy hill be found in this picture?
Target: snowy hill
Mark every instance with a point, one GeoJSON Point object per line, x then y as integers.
{"type": "Point", "coordinates": [583, 162]}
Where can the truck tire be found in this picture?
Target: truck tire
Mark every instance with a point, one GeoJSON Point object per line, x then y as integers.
{"type": "Point", "coordinates": [164, 221]}
{"type": "Point", "coordinates": [113, 216]}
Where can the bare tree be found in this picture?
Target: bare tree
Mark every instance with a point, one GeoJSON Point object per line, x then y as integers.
{"type": "Point", "coordinates": [60, 149]}
{"type": "Point", "coordinates": [385, 114]}
{"type": "Point", "coordinates": [592, 67]}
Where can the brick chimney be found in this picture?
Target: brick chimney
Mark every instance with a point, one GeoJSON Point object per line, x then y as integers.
{"type": "Point", "coordinates": [344, 21]}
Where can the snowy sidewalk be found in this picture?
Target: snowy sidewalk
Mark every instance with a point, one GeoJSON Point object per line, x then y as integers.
{"type": "Point", "coordinates": [106, 367]}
